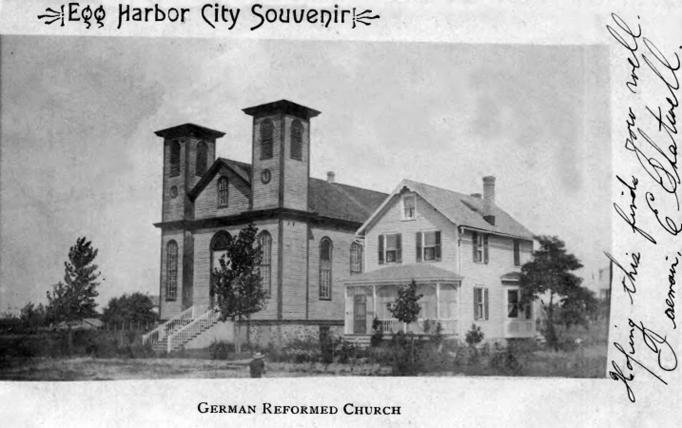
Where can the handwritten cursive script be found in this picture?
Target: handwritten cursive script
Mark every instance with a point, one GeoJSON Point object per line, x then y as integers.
{"type": "Point", "coordinates": [649, 202]}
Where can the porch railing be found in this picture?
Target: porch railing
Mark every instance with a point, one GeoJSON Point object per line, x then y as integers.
{"type": "Point", "coordinates": [160, 332]}
{"type": "Point", "coordinates": [389, 326]}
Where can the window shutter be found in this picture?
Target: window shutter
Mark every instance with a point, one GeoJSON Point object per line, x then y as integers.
{"type": "Point", "coordinates": [398, 244]}
{"type": "Point", "coordinates": [474, 244]}
{"type": "Point", "coordinates": [485, 248]}
{"type": "Point", "coordinates": [477, 293]}
{"type": "Point", "coordinates": [381, 249]}
{"type": "Point", "coordinates": [485, 302]}
{"type": "Point", "coordinates": [418, 239]}
{"type": "Point", "coordinates": [438, 245]}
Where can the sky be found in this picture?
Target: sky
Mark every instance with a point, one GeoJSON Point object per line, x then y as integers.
{"type": "Point", "coordinates": [78, 155]}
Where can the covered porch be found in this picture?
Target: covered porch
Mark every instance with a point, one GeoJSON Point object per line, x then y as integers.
{"type": "Point", "coordinates": [368, 295]}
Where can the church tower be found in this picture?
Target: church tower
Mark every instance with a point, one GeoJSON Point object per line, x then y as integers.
{"type": "Point", "coordinates": [188, 152]}
{"type": "Point", "coordinates": [280, 155]}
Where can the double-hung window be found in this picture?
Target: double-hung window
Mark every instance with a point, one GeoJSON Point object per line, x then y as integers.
{"type": "Point", "coordinates": [390, 248]}
{"type": "Point", "coordinates": [480, 246]}
{"type": "Point", "coordinates": [514, 307]}
{"type": "Point", "coordinates": [481, 303]}
{"type": "Point", "coordinates": [428, 246]}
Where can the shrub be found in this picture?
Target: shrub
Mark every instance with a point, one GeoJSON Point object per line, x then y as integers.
{"type": "Point", "coordinates": [327, 348]}
{"type": "Point", "coordinates": [377, 333]}
{"type": "Point", "coordinates": [220, 350]}
{"type": "Point", "coordinates": [346, 351]}
{"type": "Point", "coordinates": [474, 336]}
{"type": "Point", "coordinates": [430, 359]}
{"type": "Point", "coordinates": [506, 362]}
{"type": "Point", "coordinates": [303, 350]}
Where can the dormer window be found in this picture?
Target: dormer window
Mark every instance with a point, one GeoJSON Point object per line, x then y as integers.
{"type": "Point", "coordinates": [409, 207]}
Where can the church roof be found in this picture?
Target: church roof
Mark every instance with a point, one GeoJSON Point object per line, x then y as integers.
{"type": "Point", "coordinates": [331, 200]}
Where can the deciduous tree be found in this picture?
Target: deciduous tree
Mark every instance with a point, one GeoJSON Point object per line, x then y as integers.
{"type": "Point", "coordinates": [237, 282]}
{"type": "Point", "coordinates": [550, 278]}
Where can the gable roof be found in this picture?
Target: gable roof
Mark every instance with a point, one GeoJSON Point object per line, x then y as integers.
{"type": "Point", "coordinates": [460, 209]}
{"type": "Point", "coordinates": [332, 200]}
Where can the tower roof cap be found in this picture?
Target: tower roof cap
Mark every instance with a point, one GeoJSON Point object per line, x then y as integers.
{"type": "Point", "coordinates": [284, 106]}
{"type": "Point", "coordinates": [189, 130]}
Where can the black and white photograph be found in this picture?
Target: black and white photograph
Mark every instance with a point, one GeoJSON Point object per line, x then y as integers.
{"type": "Point", "coordinates": [191, 210]}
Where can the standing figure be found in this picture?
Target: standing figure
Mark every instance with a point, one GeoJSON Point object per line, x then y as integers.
{"type": "Point", "coordinates": [257, 365]}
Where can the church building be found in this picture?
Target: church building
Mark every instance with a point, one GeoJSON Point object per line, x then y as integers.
{"type": "Point", "coordinates": [306, 229]}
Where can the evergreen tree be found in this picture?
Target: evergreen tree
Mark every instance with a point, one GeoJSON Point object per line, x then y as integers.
{"type": "Point", "coordinates": [74, 297]}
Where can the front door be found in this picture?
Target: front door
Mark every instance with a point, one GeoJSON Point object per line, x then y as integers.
{"type": "Point", "coordinates": [360, 314]}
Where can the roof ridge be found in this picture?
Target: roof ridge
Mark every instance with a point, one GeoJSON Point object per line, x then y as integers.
{"type": "Point", "coordinates": [349, 185]}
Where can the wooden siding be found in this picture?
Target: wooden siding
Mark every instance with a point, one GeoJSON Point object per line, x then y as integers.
{"type": "Point", "coordinates": [427, 219]}
{"type": "Point", "coordinates": [202, 266]}
{"type": "Point", "coordinates": [206, 203]}
{"type": "Point", "coordinates": [329, 309]}
{"type": "Point", "coordinates": [296, 171]}
{"type": "Point", "coordinates": [266, 195]}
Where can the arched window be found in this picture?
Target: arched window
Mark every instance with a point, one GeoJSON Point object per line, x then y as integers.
{"type": "Point", "coordinates": [355, 258]}
{"type": "Point", "coordinates": [171, 270]}
{"type": "Point", "coordinates": [265, 243]}
{"type": "Point", "coordinates": [219, 245]}
{"type": "Point", "coordinates": [296, 140]}
{"type": "Point", "coordinates": [223, 192]}
{"type": "Point", "coordinates": [326, 256]}
{"type": "Point", "coordinates": [174, 158]}
{"type": "Point", "coordinates": [266, 130]}
{"type": "Point", "coordinates": [202, 158]}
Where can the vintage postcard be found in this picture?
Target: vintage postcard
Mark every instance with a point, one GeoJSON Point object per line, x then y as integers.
{"type": "Point", "coordinates": [345, 213]}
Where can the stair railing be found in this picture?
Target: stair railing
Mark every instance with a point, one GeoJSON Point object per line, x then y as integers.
{"type": "Point", "coordinates": [202, 322]}
{"type": "Point", "coordinates": [162, 330]}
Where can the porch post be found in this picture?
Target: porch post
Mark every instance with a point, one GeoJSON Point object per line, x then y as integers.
{"type": "Point", "coordinates": [437, 301]}
{"type": "Point", "coordinates": [374, 300]}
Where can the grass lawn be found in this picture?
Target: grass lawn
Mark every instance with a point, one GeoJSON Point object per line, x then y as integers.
{"type": "Point", "coordinates": [588, 360]}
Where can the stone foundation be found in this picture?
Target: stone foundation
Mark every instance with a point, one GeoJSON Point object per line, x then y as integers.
{"type": "Point", "coordinates": [279, 335]}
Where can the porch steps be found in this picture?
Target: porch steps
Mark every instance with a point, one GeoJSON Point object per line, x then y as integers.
{"type": "Point", "coordinates": [175, 333]}
{"type": "Point", "coordinates": [361, 341]}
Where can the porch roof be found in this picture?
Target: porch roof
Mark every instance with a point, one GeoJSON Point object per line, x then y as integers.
{"type": "Point", "coordinates": [402, 273]}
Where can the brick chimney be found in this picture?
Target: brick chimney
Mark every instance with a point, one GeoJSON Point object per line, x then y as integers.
{"type": "Point", "coordinates": [330, 177]}
{"type": "Point", "coordinates": [489, 199]}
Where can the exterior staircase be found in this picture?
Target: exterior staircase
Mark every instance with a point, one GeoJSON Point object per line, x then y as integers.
{"type": "Point", "coordinates": [179, 330]}
{"type": "Point", "coordinates": [361, 341]}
